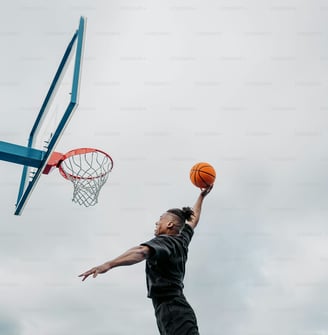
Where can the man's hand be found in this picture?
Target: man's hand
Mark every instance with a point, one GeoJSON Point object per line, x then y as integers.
{"type": "Point", "coordinates": [95, 271]}
{"type": "Point", "coordinates": [206, 191]}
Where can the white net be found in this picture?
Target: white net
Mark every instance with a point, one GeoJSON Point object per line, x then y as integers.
{"type": "Point", "coordinates": [88, 170]}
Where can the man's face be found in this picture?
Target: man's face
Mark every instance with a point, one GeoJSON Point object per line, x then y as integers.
{"type": "Point", "coordinates": [161, 224]}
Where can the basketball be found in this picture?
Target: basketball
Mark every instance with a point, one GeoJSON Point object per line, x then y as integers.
{"type": "Point", "coordinates": [202, 175]}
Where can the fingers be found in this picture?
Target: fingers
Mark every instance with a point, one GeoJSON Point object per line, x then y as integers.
{"type": "Point", "coordinates": [84, 278]}
{"type": "Point", "coordinates": [207, 190]}
{"type": "Point", "coordinates": [86, 274]}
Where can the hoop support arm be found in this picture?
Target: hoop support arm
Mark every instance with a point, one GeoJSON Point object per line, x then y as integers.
{"type": "Point", "coordinates": [20, 155]}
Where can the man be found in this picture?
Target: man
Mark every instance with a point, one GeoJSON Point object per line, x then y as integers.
{"type": "Point", "coordinates": [165, 256]}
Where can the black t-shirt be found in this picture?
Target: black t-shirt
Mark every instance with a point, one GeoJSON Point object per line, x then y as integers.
{"type": "Point", "coordinates": [165, 267]}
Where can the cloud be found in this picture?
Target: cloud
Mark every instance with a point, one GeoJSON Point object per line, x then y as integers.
{"type": "Point", "coordinates": [9, 324]}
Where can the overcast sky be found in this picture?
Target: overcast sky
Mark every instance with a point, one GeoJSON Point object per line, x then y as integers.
{"type": "Point", "coordinates": [165, 84]}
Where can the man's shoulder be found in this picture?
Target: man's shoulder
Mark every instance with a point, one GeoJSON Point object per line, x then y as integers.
{"type": "Point", "coordinates": [187, 229]}
{"type": "Point", "coordinates": [159, 245]}
{"type": "Point", "coordinates": [156, 240]}
{"type": "Point", "coordinates": [186, 234]}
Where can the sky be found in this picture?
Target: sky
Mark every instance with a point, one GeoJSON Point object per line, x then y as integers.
{"type": "Point", "coordinates": [239, 84]}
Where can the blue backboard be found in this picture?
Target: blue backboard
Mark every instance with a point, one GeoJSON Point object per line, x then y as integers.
{"type": "Point", "coordinates": [53, 117]}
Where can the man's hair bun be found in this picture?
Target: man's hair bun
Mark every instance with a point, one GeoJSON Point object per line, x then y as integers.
{"type": "Point", "coordinates": [184, 214]}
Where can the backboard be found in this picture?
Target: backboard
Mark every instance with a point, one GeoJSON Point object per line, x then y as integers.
{"type": "Point", "coordinates": [55, 113]}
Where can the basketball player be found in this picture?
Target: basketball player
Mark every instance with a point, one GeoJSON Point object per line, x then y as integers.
{"type": "Point", "coordinates": [166, 256]}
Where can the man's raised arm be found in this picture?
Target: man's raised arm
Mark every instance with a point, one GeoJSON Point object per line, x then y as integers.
{"type": "Point", "coordinates": [197, 208]}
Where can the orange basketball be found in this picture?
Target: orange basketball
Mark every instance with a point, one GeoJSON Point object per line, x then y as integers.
{"type": "Point", "coordinates": [202, 175]}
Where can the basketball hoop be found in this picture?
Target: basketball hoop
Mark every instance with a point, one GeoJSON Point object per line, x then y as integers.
{"type": "Point", "coordinates": [88, 169]}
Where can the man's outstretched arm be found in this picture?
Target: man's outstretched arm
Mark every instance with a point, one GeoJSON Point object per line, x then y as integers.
{"type": "Point", "coordinates": [198, 207]}
{"type": "Point", "coordinates": [130, 257]}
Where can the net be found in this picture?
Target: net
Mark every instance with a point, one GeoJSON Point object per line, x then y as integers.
{"type": "Point", "coordinates": [88, 169]}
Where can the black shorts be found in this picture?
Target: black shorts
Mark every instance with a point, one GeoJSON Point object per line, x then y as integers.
{"type": "Point", "coordinates": [175, 316]}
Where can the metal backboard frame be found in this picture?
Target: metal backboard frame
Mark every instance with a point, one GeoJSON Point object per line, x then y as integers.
{"type": "Point", "coordinates": [74, 52]}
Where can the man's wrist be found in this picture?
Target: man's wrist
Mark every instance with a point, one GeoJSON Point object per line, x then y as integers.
{"type": "Point", "coordinates": [108, 265]}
